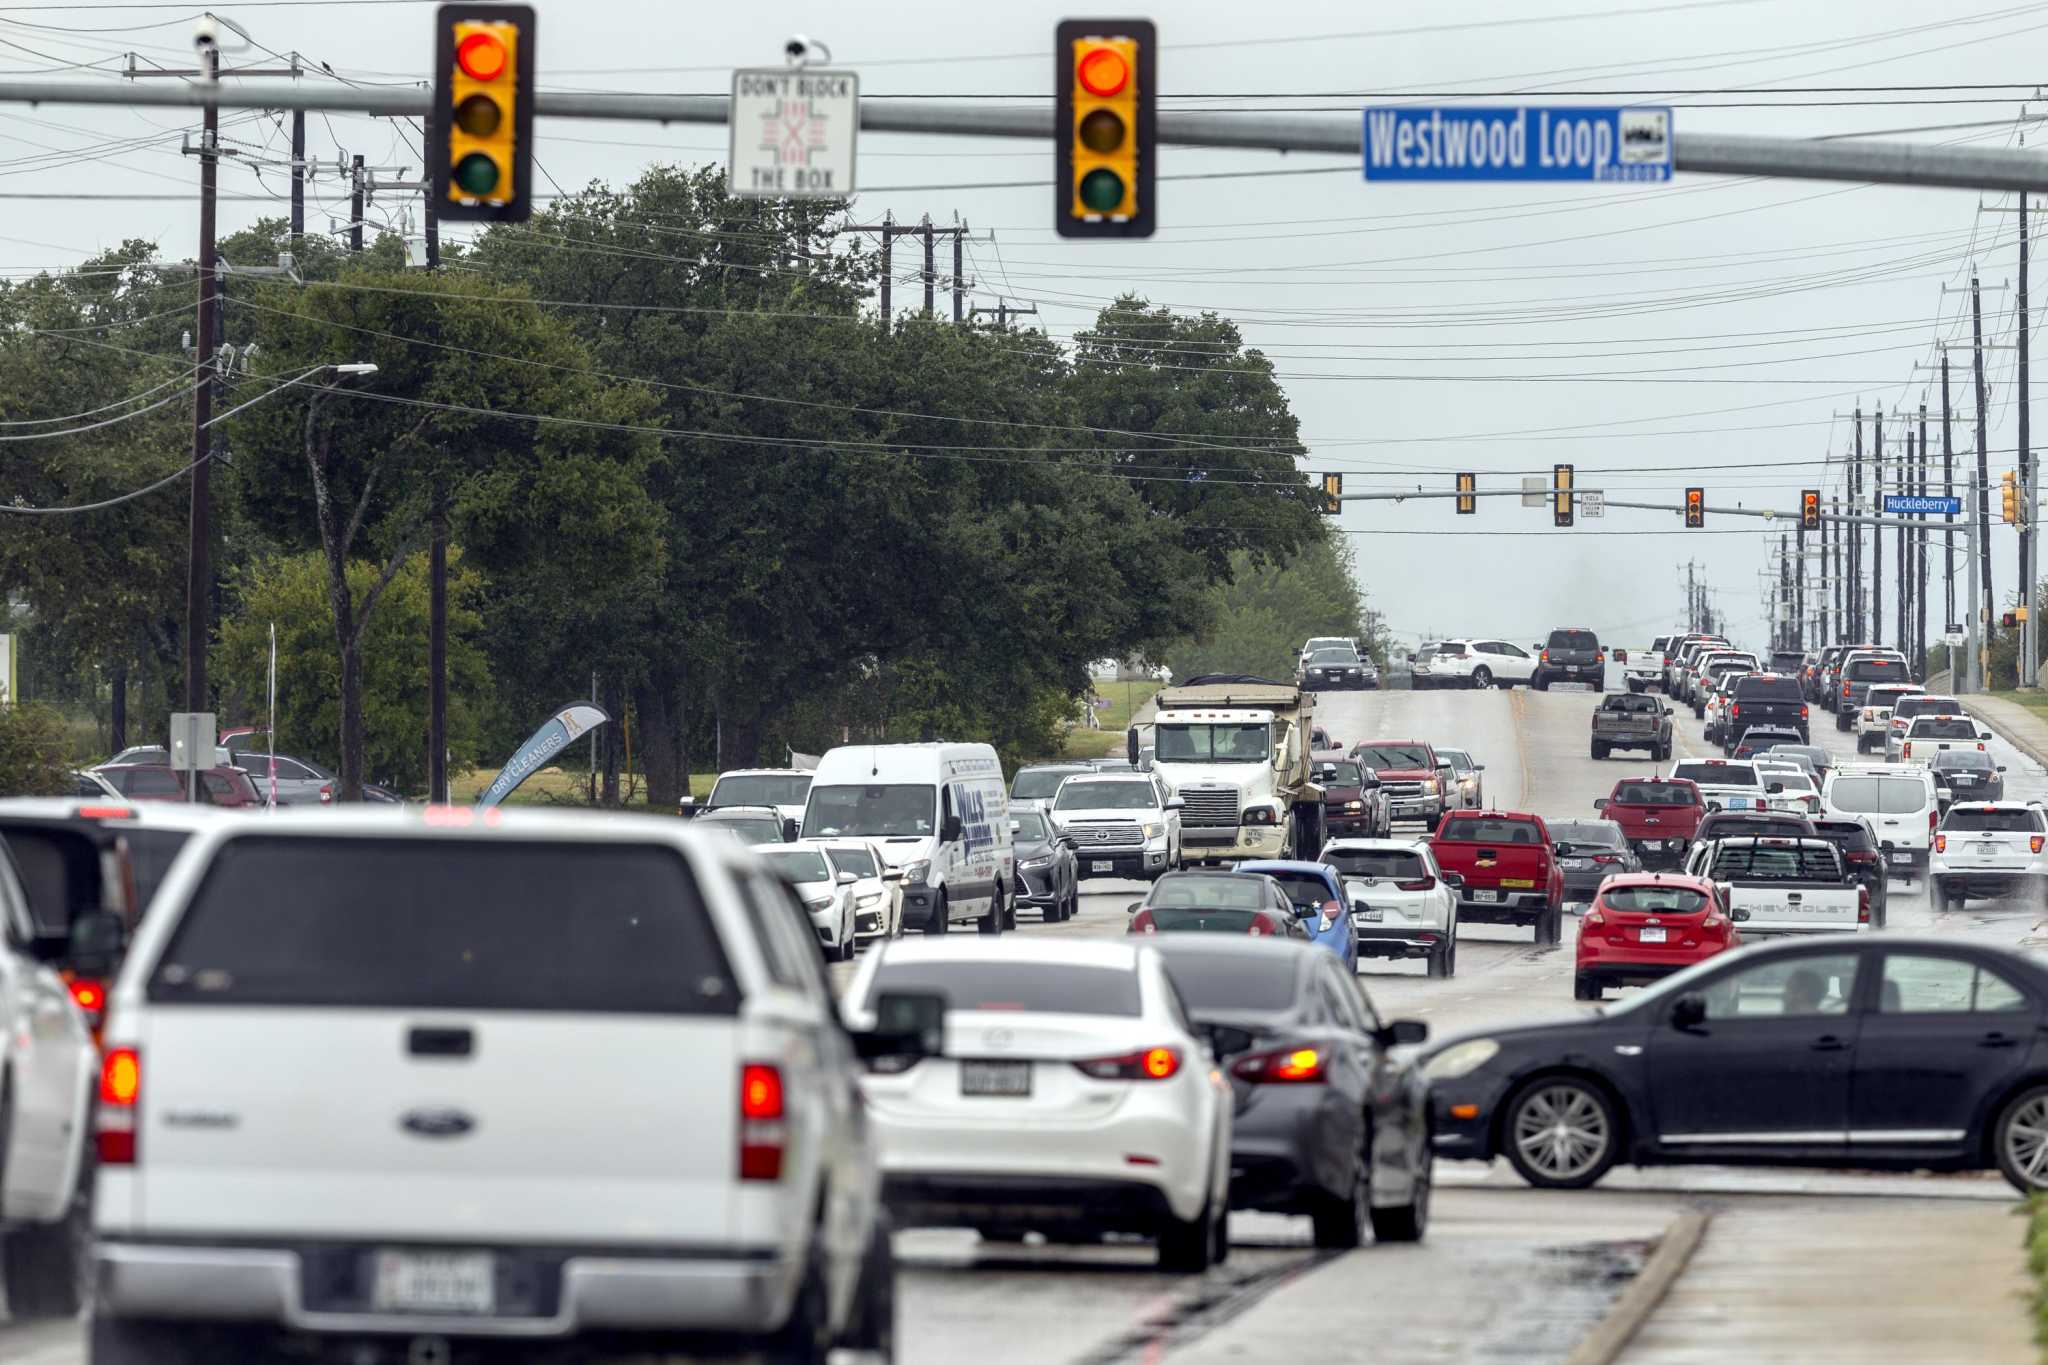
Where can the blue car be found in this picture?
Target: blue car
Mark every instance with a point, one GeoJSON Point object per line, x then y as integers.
{"type": "Point", "coordinates": [1315, 890]}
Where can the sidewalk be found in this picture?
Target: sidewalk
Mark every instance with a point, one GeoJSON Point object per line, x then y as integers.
{"type": "Point", "coordinates": [2022, 727]}
{"type": "Point", "coordinates": [1814, 1280]}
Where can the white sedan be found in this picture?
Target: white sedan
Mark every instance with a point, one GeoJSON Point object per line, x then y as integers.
{"type": "Point", "coordinates": [827, 894]}
{"type": "Point", "coordinates": [1073, 1098]}
{"type": "Point", "coordinates": [1401, 905]}
{"type": "Point", "coordinates": [877, 889]}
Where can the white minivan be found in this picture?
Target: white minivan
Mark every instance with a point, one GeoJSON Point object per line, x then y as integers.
{"type": "Point", "coordinates": [1900, 801]}
{"type": "Point", "coordinates": [941, 815]}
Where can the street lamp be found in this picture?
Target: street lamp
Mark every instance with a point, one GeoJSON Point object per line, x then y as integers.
{"type": "Point", "coordinates": [348, 369]}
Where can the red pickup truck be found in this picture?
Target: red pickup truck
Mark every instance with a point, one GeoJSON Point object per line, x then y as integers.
{"type": "Point", "coordinates": [1411, 774]}
{"type": "Point", "coordinates": [1658, 815]}
{"type": "Point", "coordinates": [1508, 869]}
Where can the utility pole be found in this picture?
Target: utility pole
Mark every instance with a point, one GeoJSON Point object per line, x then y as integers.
{"type": "Point", "coordinates": [298, 175]}
{"type": "Point", "coordinates": [1692, 600]}
{"type": "Point", "coordinates": [1920, 550]}
{"type": "Point", "coordinates": [1948, 490]}
{"type": "Point", "coordinates": [1004, 311]}
{"type": "Point", "coordinates": [1856, 537]}
{"type": "Point", "coordinates": [430, 211]}
{"type": "Point", "coordinates": [437, 550]}
{"type": "Point", "coordinates": [2029, 669]}
{"type": "Point", "coordinates": [355, 204]}
{"type": "Point", "coordinates": [931, 276]}
{"type": "Point", "coordinates": [1983, 456]}
{"type": "Point", "coordinates": [959, 274]}
{"type": "Point", "coordinates": [1799, 589]}
{"type": "Point", "coordinates": [1877, 532]}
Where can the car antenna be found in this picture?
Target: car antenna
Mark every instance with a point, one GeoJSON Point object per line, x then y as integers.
{"type": "Point", "coordinates": [874, 768]}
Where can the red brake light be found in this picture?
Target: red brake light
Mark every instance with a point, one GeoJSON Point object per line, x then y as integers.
{"type": "Point", "coordinates": [1606, 857]}
{"type": "Point", "coordinates": [1261, 927]}
{"type": "Point", "coordinates": [1863, 905]}
{"type": "Point", "coordinates": [1296, 1065]}
{"type": "Point", "coordinates": [1141, 923]}
{"type": "Point", "coordinates": [1423, 884]}
{"type": "Point", "coordinates": [1147, 1064]}
{"type": "Point", "coordinates": [1933, 819]}
{"type": "Point", "coordinates": [105, 813]}
{"type": "Point", "coordinates": [114, 1120]}
{"type": "Point", "coordinates": [92, 995]}
{"type": "Point", "coordinates": [1845, 689]}
{"type": "Point", "coordinates": [761, 1126]}
{"type": "Point", "coordinates": [2034, 844]}
{"type": "Point", "coordinates": [1941, 844]}
{"type": "Point", "coordinates": [1802, 713]}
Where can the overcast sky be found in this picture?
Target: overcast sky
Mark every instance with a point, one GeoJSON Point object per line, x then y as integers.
{"type": "Point", "coordinates": [1644, 333]}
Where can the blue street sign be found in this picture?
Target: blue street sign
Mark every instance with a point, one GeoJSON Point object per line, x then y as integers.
{"type": "Point", "coordinates": [1899, 504]}
{"type": "Point", "coordinates": [1534, 142]}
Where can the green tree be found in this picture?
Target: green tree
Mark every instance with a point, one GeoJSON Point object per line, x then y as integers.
{"type": "Point", "coordinates": [33, 750]}
{"type": "Point", "coordinates": [1264, 613]}
{"type": "Point", "coordinates": [292, 593]}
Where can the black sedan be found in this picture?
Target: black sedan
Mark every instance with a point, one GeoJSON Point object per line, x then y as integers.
{"type": "Point", "coordinates": [1048, 875]}
{"type": "Point", "coordinates": [1327, 1123]}
{"type": "Point", "coordinates": [1598, 850]}
{"type": "Point", "coordinates": [1880, 1052]}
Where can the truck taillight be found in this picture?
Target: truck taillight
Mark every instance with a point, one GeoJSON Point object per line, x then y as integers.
{"type": "Point", "coordinates": [1734, 710]}
{"type": "Point", "coordinates": [1863, 905]}
{"type": "Point", "coordinates": [1908, 752]}
{"type": "Point", "coordinates": [1845, 689]}
{"type": "Point", "coordinates": [2034, 844]}
{"type": "Point", "coordinates": [120, 1096]}
{"type": "Point", "coordinates": [762, 1129]}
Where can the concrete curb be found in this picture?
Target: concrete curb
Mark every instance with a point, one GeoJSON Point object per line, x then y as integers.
{"type": "Point", "coordinates": [2024, 746]}
{"type": "Point", "coordinates": [1633, 1308]}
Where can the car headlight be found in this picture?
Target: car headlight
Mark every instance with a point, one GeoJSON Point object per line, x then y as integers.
{"type": "Point", "coordinates": [914, 874]}
{"type": "Point", "coordinates": [1035, 863]}
{"type": "Point", "coordinates": [1461, 1059]}
{"type": "Point", "coordinates": [1354, 805]}
{"type": "Point", "coordinates": [821, 903]}
{"type": "Point", "coordinates": [872, 898]}
{"type": "Point", "coordinates": [1153, 831]}
{"type": "Point", "coordinates": [1429, 786]}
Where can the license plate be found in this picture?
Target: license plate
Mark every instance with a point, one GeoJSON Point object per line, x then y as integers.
{"type": "Point", "coordinates": [1652, 936]}
{"type": "Point", "coordinates": [995, 1078]}
{"type": "Point", "coordinates": [1988, 850]}
{"type": "Point", "coordinates": [1486, 895]}
{"type": "Point", "coordinates": [1522, 884]}
{"type": "Point", "coordinates": [435, 1282]}
{"type": "Point", "coordinates": [1576, 864]}
{"type": "Point", "coordinates": [1102, 865]}
{"type": "Point", "coordinates": [1739, 803]}
{"type": "Point", "coordinates": [1652, 845]}
{"type": "Point", "coordinates": [1902, 856]}
{"type": "Point", "coordinates": [1367, 916]}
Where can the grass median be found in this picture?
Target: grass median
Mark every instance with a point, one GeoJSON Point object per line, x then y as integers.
{"type": "Point", "coordinates": [1125, 700]}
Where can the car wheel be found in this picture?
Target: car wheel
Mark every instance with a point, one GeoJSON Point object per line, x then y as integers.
{"type": "Point", "coordinates": [1438, 963]}
{"type": "Point", "coordinates": [1408, 1222]}
{"type": "Point", "coordinates": [1482, 676]}
{"type": "Point", "coordinates": [45, 1265]}
{"type": "Point", "coordinates": [872, 1328]}
{"type": "Point", "coordinates": [1056, 909]}
{"type": "Point", "coordinates": [1586, 988]}
{"type": "Point", "coordinates": [2020, 1140]}
{"type": "Point", "coordinates": [806, 1337]}
{"type": "Point", "coordinates": [1550, 925]}
{"type": "Point", "coordinates": [1340, 1219]}
{"type": "Point", "coordinates": [1189, 1248]}
{"type": "Point", "coordinates": [991, 923]}
{"type": "Point", "coordinates": [848, 944]}
{"type": "Point", "coordinates": [1599, 749]}
{"type": "Point", "coordinates": [1561, 1133]}
{"type": "Point", "coordinates": [937, 923]}
{"type": "Point", "coordinates": [1540, 683]}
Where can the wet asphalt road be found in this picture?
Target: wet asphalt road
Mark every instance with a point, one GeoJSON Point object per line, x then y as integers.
{"type": "Point", "coordinates": [1506, 1273]}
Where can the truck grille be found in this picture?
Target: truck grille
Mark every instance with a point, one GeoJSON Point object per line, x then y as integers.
{"type": "Point", "coordinates": [1107, 833]}
{"type": "Point", "coordinates": [1403, 791]}
{"type": "Point", "coordinates": [1208, 807]}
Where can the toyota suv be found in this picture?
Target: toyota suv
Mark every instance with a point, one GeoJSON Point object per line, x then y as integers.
{"type": "Point", "coordinates": [503, 1078]}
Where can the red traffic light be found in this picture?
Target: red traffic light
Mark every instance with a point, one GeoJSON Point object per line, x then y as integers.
{"type": "Point", "coordinates": [481, 57]}
{"type": "Point", "coordinates": [1103, 71]}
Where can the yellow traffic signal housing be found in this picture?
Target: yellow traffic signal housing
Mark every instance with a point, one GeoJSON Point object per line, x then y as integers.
{"type": "Point", "coordinates": [1695, 507]}
{"type": "Point", "coordinates": [481, 145]}
{"type": "Point", "coordinates": [1332, 495]}
{"type": "Point", "coordinates": [1561, 498]}
{"type": "Point", "coordinates": [1467, 483]}
{"type": "Point", "coordinates": [2009, 497]}
{"type": "Point", "coordinates": [1105, 89]}
{"type": "Point", "coordinates": [1809, 509]}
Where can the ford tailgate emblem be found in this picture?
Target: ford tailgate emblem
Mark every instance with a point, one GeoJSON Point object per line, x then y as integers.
{"type": "Point", "coordinates": [436, 1123]}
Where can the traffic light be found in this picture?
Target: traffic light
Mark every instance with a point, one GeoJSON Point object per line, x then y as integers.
{"type": "Point", "coordinates": [1809, 509]}
{"type": "Point", "coordinates": [481, 157]}
{"type": "Point", "coordinates": [1695, 507]}
{"type": "Point", "coordinates": [1105, 86]}
{"type": "Point", "coordinates": [1561, 500]}
{"type": "Point", "coordinates": [2009, 497]}
{"type": "Point", "coordinates": [2009, 620]}
{"type": "Point", "coordinates": [1467, 483]}
{"type": "Point", "coordinates": [1333, 491]}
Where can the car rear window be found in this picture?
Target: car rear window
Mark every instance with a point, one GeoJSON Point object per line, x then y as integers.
{"type": "Point", "coordinates": [1849, 834]}
{"type": "Point", "coordinates": [1656, 794]}
{"type": "Point", "coordinates": [1302, 888]}
{"type": "Point", "coordinates": [1760, 688]}
{"type": "Point", "coordinates": [1627, 701]}
{"type": "Point", "coordinates": [1717, 774]}
{"type": "Point", "coordinates": [1225, 891]}
{"type": "Point", "coordinates": [1028, 987]}
{"type": "Point", "coordinates": [1036, 784]}
{"type": "Point", "coordinates": [1867, 670]}
{"type": "Point", "coordinates": [1921, 704]}
{"type": "Point", "coordinates": [1943, 727]}
{"type": "Point", "coordinates": [1230, 981]}
{"type": "Point", "coordinates": [1654, 900]}
{"type": "Point", "coordinates": [1750, 827]}
{"type": "Point", "coordinates": [1603, 832]}
{"type": "Point", "coordinates": [1993, 821]}
{"type": "Point", "coordinates": [1877, 795]}
{"type": "Point", "coordinates": [1777, 862]}
{"type": "Point", "coordinates": [1171, 919]}
{"type": "Point", "coordinates": [1477, 830]}
{"type": "Point", "coordinates": [150, 853]}
{"type": "Point", "coordinates": [1390, 863]}
{"type": "Point", "coordinates": [1975, 759]}
{"type": "Point", "coordinates": [485, 924]}
{"type": "Point", "coordinates": [1574, 639]}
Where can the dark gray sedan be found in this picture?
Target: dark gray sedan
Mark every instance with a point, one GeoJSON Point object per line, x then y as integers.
{"type": "Point", "coordinates": [1598, 849]}
{"type": "Point", "coordinates": [1969, 774]}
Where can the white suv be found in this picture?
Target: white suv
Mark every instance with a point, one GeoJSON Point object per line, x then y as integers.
{"type": "Point", "coordinates": [1988, 849]}
{"type": "Point", "coordinates": [504, 1078]}
{"type": "Point", "coordinates": [1481, 663]}
{"type": "Point", "coordinates": [1402, 904]}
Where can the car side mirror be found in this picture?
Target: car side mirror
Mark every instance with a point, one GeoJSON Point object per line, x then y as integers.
{"type": "Point", "coordinates": [96, 942]}
{"type": "Point", "coordinates": [1688, 1012]}
{"type": "Point", "coordinates": [949, 829]}
{"type": "Point", "coordinates": [1404, 1033]}
{"type": "Point", "coordinates": [1478, 767]}
{"type": "Point", "coordinates": [1227, 1040]}
{"type": "Point", "coordinates": [791, 828]}
{"type": "Point", "coordinates": [908, 1024]}
{"type": "Point", "coordinates": [688, 808]}
{"type": "Point", "coordinates": [846, 879]}
{"type": "Point", "coordinates": [1599, 803]}
{"type": "Point", "coordinates": [1134, 907]}
{"type": "Point", "coordinates": [1360, 903]}
{"type": "Point", "coordinates": [1175, 803]}
{"type": "Point", "coordinates": [1455, 880]}
{"type": "Point", "coordinates": [892, 874]}
{"type": "Point", "coordinates": [2001, 767]}
{"type": "Point", "coordinates": [1131, 745]}
{"type": "Point", "coordinates": [1775, 789]}
{"type": "Point", "coordinates": [1305, 911]}
{"type": "Point", "coordinates": [1985, 734]}
{"type": "Point", "coordinates": [1738, 914]}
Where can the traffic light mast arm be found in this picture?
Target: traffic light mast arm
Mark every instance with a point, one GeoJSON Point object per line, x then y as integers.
{"type": "Point", "coordinates": [1790, 518]}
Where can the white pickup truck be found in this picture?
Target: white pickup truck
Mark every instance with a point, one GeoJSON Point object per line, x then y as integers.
{"type": "Point", "coordinates": [1724, 784]}
{"type": "Point", "coordinates": [1873, 720]}
{"type": "Point", "coordinates": [1643, 669]}
{"type": "Point", "coordinates": [486, 1083]}
{"type": "Point", "coordinates": [1783, 886]}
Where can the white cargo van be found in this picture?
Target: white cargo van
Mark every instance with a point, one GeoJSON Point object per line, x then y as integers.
{"type": "Point", "coordinates": [940, 813]}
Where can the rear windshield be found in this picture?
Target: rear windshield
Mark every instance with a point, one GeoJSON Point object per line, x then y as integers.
{"type": "Point", "coordinates": [1477, 830]}
{"type": "Point", "coordinates": [59, 873]}
{"type": "Point", "coordinates": [1781, 862]}
{"type": "Point", "coordinates": [1881, 697]}
{"type": "Point", "coordinates": [1847, 834]}
{"type": "Point", "coordinates": [1574, 639]}
{"type": "Point", "coordinates": [1768, 689]}
{"type": "Point", "coordinates": [1943, 727]}
{"type": "Point", "coordinates": [1302, 888]}
{"type": "Point", "coordinates": [767, 789]}
{"type": "Point", "coordinates": [1170, 920]}
{"type": "Point", "coordinates": [1920, 704]}
{"type": "Point", "coordinates": [1226, 892]}
{"type": "Point", "coordinates": [1866, 670]}
{"type": "Point", "coordinates": [1995, 821]}
{"type": "Point", "coordinates": [1227, 981]}
{"type": "Point", "coordinates": [447, 924]}
{"type": "Point", "coordinates": [1964, 758]}
{"type": "Point", "coordinates": [1037, 784]}
{"type": "Point", "coordinates": [1655, 900]}
{"type": "Point", "coordinates": [1637, 701]}
{"type": "Point", "coordinates": [1392, 863]}
{"type": "Point", "coordinates": [1751, 827]}
{"type": "Point", "coordinates": [1790, 779]}
{"type": "Point", "coordinates": [1604, 832]}
{"type": "Point", "coordinates": [1030, 987]}
{"type": "Point", "coordinates": [1717, 774]}
{"type": "Point", "coordinates": [1398, 756]}
{"type": "Point", "coordinates": [1877, 795]}
{"type": "Point", "coordinates": [1656, 794]}
{"type": "Point", "coordinates": [1107, 796]}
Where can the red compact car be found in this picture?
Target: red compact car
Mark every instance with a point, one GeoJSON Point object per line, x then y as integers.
{"type": "Point", "coordinates": [1646, 925]}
